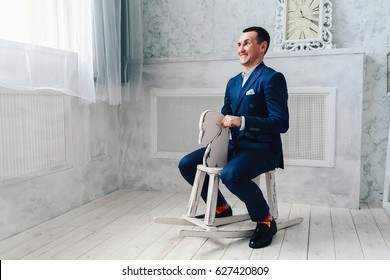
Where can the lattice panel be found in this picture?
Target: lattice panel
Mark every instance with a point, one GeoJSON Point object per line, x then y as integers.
{"type": "Point", "coordinates": [32, 134]}
{"type": "Point", "coordinates": [175, 118]}
{"type": "Point", "coordinates": [310, 138]}
{"type": "Point", "coordinates": [309, 141]}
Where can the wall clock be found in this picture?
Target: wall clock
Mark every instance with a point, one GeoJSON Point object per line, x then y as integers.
{"type": "Point", "coordinates": [303, 25]}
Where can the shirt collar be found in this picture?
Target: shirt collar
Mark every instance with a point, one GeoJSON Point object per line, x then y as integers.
{"type": "Point", "coordinates": [247, 74]}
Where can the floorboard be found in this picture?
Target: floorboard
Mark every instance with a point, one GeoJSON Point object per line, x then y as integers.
{"type": "Point", "coordinates": [234, 250]}
{"type": "Point", "coordinates": [120, 226]}
{"type": "Point", "coordinates": [272, 251]}
{"type": "Point", "coordinates": [64, 225]}
{"type": "Point", "coordinates": [44, 228]}
{"type": "Point", "coordinates": [89, 225]}
{"type": "Point", "coordinates": [133, 229]}
{"type": "Point", "coordinates": [321, 241]}
{"type": "Point", "coordinates": [371, 240]}
{"type": "Point", "coordinates": [347, 244]}
{"type": "Point", "coordinates": [382, 220]}
{"type": "Point", "coordinates": [135, 246]}
{"type": "Point", "coordinates": [295, 243]}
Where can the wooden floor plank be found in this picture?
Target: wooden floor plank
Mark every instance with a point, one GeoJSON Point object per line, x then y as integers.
{"type": "Point", "coordinates": [185, 249]}
{"type": "Point", "coordinates": [212, 249]}
{"type": "Point", "coordinates": [189, 246]}
{"type": "Point", "coordinates": [382, 219]}
{"type": "Point", "coordinates": [136, 246]}
{"type": "Point", "coordinates": [321, 243]}
{"type": "Point", "coordinates": [126, 223]}
{"type": "Point", "coordinates": [89, 227]}
{"type": "Point", "coordinates": [238, 247]}
{"type": "Point", "coordinates": [141, 242]}
{"type": "Point", "coordinates": [120, 226]}
{"type": "Point", "coordinates": [108, 247]}
{"type": "Point", "coordinates": [373, 245]}
{"type": "Point", "coordinates": [79, 248]}
{"type": "Point", "coordinates": [295, 243]}
{"type": "Point", "coordinates": [53, 230]}
{"type": "Point", "coordinates": [162, 246]}
{"type": "Point", "coordinates": [272, 251]}
{"type": "Point", "coordinates": [166, 242]}
{"type": "Point", "coordinates": [346, 240]}
{"type": "Point", "coordinates": [44, 228]}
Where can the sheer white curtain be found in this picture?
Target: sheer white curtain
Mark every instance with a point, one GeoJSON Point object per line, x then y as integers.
{"type": "Point", "coordinates": [47, 44]}
{"type": "Point", "coordinates": [70, 46]}
{"type": "Point", "coordinates": [118, 52]}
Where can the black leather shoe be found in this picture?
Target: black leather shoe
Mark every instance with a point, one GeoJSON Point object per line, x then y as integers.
{"type": "Point", "coordinates": [262, 236]}
{"type": "Point", "coordinates": [227, 213]}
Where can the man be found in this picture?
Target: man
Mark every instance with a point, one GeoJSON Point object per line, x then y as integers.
{"type": "Point", "coordinates": [255, 109]}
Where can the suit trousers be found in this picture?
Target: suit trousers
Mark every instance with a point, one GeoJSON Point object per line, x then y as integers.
{"type": "Point", "coordinates": [237, 175]}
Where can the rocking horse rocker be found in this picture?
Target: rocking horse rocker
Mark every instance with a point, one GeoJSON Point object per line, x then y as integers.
{"type": "Point", "coordinates": [216, 138]}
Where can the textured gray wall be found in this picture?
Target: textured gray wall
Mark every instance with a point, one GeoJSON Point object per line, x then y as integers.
{"type": "Point", "coordinates": [175, 29]}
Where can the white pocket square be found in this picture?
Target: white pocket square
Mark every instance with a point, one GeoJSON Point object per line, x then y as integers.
{"type": "Point", "coordinates": [250, 92]}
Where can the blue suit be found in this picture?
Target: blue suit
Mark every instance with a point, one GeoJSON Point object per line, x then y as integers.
{"type": "Point", "coordinates": [256, 149]}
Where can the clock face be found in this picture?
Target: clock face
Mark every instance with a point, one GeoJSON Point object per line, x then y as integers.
{"type": "Point", "coordinates": [303, 19]}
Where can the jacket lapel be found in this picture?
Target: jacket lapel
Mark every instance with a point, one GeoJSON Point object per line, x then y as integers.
{"type": "Point", "coordinates": [236, 93]}
{"type": "Point", "coordinates": [242, 90]}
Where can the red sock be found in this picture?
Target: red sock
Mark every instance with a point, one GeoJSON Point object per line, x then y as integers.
{"type": "Point", "coordinates": [266, 221]}
{"type": "Point", "coordinates": [222, 208]}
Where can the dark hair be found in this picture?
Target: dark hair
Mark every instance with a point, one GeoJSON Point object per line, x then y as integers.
{"type": "Point", "coordinates": [262, 35]}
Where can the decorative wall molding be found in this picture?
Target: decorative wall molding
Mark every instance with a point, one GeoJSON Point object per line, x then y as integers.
{"type": "Point", "coordinates": [310, 140]}
{"type": "Point", "coordinates": [175, 117]}
{"type": "Point", "coordinates": [270, 55]}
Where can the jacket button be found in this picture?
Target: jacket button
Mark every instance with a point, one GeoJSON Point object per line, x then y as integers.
{"type": "Point", "coordinates": [251, 106]}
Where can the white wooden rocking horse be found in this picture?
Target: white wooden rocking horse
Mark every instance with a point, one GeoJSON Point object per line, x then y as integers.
{"type": "Point", "coordinates": [216, 139]}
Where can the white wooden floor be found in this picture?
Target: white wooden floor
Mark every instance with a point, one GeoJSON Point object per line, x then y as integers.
{"type": "Point", "coordinates": [120, 226]}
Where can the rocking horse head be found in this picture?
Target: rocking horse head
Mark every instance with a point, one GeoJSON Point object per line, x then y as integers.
{"type": "Point", "coordinates": [215, 137]}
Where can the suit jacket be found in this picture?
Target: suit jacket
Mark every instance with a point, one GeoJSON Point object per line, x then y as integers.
{"type": "Point", "coordinates": [263, 103]}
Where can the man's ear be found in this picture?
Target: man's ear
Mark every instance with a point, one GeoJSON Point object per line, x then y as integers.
{"type": "Point", "coordinates": [264, 46]}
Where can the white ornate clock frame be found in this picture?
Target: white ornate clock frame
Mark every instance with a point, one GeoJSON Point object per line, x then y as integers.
{"type": "Point", "coordinates": [324, 40]}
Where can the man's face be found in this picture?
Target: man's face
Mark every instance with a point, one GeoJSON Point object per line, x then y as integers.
{"type": "Point", "coordinates": [249, 50]}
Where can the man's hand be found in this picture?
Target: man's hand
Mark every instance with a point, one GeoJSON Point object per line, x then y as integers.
{"type": "Point", "coordinates": [230, 121]}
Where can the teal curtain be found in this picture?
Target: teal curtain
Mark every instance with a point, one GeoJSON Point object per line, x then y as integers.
{"type": "Point", "coordinates": [125, 32]}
